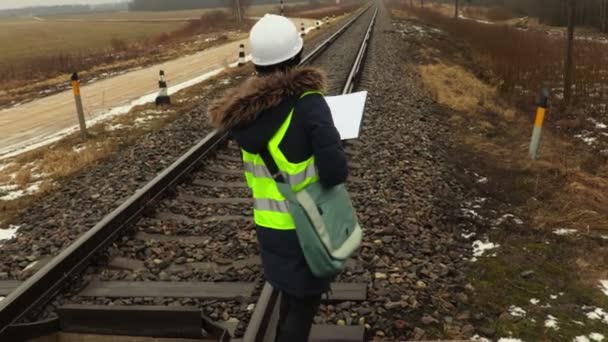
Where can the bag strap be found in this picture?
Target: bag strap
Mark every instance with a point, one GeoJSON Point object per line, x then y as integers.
{"type": "Point", "coordinates": [272, 165]}
{"type": "Point", "coordinates": [267, 157]}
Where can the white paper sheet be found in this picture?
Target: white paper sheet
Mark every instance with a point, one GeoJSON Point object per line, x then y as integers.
{"type": "Point", "coordinates": [347, 111]}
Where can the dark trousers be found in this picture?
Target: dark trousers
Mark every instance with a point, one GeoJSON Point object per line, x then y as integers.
{"type": "Point", "coordinates": [296, 315]}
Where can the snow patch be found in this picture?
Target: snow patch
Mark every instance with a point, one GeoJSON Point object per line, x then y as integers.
{"type": "Point", "coordinates": [469, 213]}
{"type": "Point", "coordinates": [551, 322]}
{"type": "Point", "coordinates": [516, 311]}
{"type": "Point", "coordinates": [468, 235]}
{"type": "Point", "coordinates": [581, 339]}
{"type": "Point", "coordinates": [9, 233]}
{"type": "Point", "coordinates": [587, 138]}
{"type": "Point", "coordinates": [597, 337]}
{"type": "Point", "coordinates": [111, 127]}
{"type": "Point", "coordinates": [598, 314]}
{"type": "Point", "coordinates": [6, 166]}
{"type": "Point", "coordinates": [15, 193]}
{"type": "Point", "coordinates": [534, 301]}
{"type": "Point", "coordinates": [480, 247]}
{"type": "Point", "coordinates": [598, 124]}
{"type": "Point", "coordinates": [143, 120]}
{"type": "Point", "coordinates": [563, 231]}
{"type": "Point", "coordinates": [505, 217]}
{"type": "Point", "coordinates": [553, 297]}
{"type": "Point", "coordinates": [509, 339]}
{"type": "Point", "coordinates": [604, 286]}
{"type": "Point", "coordinates": [485, 22]}
{"type": "Point", "coordinates": [79, 149]}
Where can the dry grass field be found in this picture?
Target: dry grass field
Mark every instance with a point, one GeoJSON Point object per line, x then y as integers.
{"type": "Point", "coordinates": [25, 39]}
{"type": "Point", "coordinates": [135, 16]}
{"type": "Point", "coordinates": [40, 54]}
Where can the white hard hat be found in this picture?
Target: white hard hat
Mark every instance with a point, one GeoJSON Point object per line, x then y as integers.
{"type": "Point", "coordinates": [274, 39]}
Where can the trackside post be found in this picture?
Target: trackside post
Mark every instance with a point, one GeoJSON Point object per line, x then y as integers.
{"type": "Point", "coordinates": [79, 107]}
{"type": "Point", "coordinates": [163, 95]}
{"type": "Point", "coordinates": [242, 61]}
{"type": "Point", "coordinates": [541, 111]}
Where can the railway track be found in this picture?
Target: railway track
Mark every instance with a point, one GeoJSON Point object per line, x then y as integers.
{"type": "Point", "coordinates": [182, 246]}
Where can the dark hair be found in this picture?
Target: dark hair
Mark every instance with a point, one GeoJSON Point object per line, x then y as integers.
{"type": "Point", "coordinates": [283, 66]}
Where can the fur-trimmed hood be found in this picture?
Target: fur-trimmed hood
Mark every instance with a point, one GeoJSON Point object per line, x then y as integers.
{"type": "Point", "coordinates": [240, 106]}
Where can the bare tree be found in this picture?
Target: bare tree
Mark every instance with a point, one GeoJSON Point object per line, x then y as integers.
{"type": "Point", "coordinates": [569, 50]}
{"type": "Point", "coordinates": [239, 7]}
{"type": "Point", "coordinates": [604, 16]}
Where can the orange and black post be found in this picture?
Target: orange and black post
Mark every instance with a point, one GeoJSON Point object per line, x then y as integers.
{"type": "Point", "coordinates": [79, 107]}
{"type": "Point", "coordinates": [541, 112]}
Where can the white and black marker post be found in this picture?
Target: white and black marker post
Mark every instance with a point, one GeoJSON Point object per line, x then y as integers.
{"type": "Point", "coordinates": [163, 95]}
{"type": "Point", "coordinates": [303, 30]}
{"type": "Point", "coordinates": [79, 107]}
{"type": "Point", "coordinates": [242, 60]}
{"type": "Point", "coordinates": [282, 8]}
{"type": "Point", "coordinates": [318, 24]}
{"type": "Point", "coordinates": [541, 111]}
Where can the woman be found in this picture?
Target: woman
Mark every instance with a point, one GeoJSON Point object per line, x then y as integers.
{"type": "Point", "coordinates": [280, 116]}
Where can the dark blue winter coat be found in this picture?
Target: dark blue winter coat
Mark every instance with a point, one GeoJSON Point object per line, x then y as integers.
{"type": "Point", "coordinates": [253, 113]}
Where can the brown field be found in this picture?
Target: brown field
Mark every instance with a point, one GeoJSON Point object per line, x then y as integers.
{"type": "Point", "coordinates": [97, 49]}
{"type": "Point", "coordinates": [184, 15]}
{"type": "Point", "coordinates": [41, 53]}
{"type": "Point", "coordinates": [25, 39]}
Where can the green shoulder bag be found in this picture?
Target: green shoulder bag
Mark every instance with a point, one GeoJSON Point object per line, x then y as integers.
{"type": "Point", "coordinates": [326, 223]}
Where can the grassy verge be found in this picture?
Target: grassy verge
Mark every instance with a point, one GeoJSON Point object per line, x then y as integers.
{"type": "Point", "coordinates": [47, 167]}
{"type": "Point", "coordinates": [542, 276]}
{"type": "Point", "coordinates": [522, 62]}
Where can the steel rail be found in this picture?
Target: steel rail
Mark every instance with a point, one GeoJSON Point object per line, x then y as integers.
{"type": "Point", "coordinates": [326, 43]}
{"type": "Point", "coordinates": [41, 287]}
{"type": "Point", "coordinates": [355, 73]}
{"type": "Point", "coordinates": [263, 323]}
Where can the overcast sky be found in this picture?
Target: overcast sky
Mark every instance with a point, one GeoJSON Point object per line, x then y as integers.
{"type": "Point", "coordinates": [4, 4]}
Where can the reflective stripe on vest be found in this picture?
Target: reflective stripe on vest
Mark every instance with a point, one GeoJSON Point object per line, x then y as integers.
{"type": "Point", "coordinates": [271, 210]}
{"type": "Point", "coordinates": [262, 171]}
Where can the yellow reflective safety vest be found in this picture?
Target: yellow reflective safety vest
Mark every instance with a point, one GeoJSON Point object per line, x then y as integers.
{"type": "Point", "coordinates": [270, 209]}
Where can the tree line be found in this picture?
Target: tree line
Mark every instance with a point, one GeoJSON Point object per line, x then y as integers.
{"type": "Point", "coordinates": [592, 13]}
{"type": "Point", "coordinates": [173, 5]}
{"type": "Point", "coordinates": [45, 10]}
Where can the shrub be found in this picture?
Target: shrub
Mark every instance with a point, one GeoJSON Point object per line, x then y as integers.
{"type": "Point", "coordinates": [525, 61]}
{"type": "Point", "coordinates": [119, 45]}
